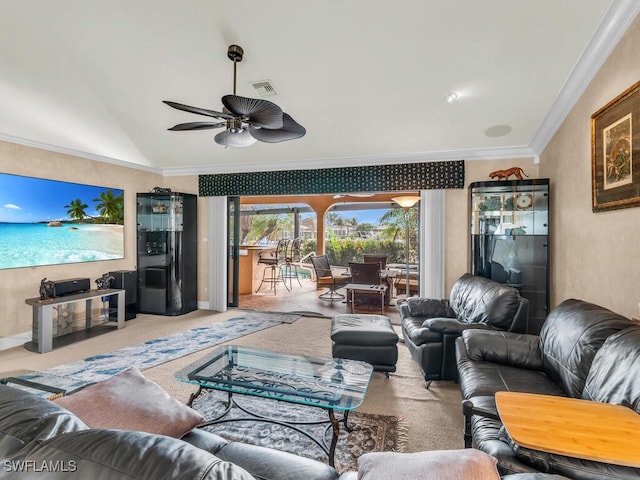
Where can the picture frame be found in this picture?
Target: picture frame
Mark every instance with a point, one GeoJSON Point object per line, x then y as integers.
{"type": "Point", "coordinates": [615, 152]}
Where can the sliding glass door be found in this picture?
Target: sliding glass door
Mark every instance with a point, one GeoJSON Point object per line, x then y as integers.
{"type": "Point", "coordinates": [233, 250]}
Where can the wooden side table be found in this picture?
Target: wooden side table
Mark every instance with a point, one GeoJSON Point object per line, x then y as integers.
{"type": "Point", "coordinates": [596, 431]}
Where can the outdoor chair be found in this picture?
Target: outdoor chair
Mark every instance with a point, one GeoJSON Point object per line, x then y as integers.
{"type": "Point", "coordinates": [381, 258]}
{"type": "Point", "coordinates": [273, 259]}
{"type": "Point", "coordinates": [376, 258]}
{"type": "Point", "coordinates": [366, 274]}
{"type": "Point", "coordinates": [325, 278]}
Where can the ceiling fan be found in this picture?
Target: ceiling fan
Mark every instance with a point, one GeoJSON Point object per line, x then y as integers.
{"type": "Point", "coordinates": [245, 120]}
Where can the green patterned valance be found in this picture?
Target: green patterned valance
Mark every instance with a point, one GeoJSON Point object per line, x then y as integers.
{"type": "Point", "coordinates": [375, 178]}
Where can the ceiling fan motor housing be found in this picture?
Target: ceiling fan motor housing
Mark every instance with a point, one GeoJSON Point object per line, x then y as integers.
{"type": "Point", "coordinates": [235, 53]}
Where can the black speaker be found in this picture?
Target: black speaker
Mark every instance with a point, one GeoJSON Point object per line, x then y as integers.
{"type": "Point", "coordinates": [126, 280]}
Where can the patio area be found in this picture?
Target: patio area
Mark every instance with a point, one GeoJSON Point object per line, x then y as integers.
{"type": "Point", "coordinates": [304, 299]}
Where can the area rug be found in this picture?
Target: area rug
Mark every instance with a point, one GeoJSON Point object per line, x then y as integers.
{"type": "Point", "coordinates": [371, 433]}
{"type": "Point", "coordinates": [155, 352]}
{"type": "Point", "coordinates": [283, 317]}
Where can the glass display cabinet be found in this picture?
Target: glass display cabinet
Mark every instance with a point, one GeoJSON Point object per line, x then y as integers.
{"type": "Point", "coordinates": [167, 253]}
{"type": "Point", "coordinates": [509, 228]}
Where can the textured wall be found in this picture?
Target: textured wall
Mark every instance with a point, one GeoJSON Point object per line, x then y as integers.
{"type": "Point", "coordinates": [17, 284]}
{"type": "Point", "coordinates": [595, 256]}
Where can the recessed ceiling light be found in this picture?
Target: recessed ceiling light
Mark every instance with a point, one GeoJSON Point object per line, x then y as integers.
{"type": "Point", "coordinates": [450, 97]}
{"type": "Point", "coordinates": [497, 131]}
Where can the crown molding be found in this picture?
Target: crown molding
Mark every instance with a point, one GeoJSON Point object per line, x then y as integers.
{"type": "Point", "coordinates": [614, 25]}
{"type": "Point", "coordinates": [77, 153]}
{"type": "Point", "coordinates": [313, 164]}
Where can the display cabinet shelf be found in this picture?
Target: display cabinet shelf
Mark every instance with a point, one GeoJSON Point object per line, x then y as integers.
{"type": "Point", "coordinates": [509, 230]}
{"type": "Point", "coordinates": [167, 253]}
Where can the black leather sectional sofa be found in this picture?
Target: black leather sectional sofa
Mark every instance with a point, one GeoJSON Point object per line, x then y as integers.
{"type": "Point", "coordinates": [583, 351]}
{"type": "Point", "coordinates": [431, 326]}
{"type": "Point", "coordinates": [41, 440]}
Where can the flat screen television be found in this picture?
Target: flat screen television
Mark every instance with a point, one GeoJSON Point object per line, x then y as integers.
{"type": "Point", "coordinates": [49, 222]}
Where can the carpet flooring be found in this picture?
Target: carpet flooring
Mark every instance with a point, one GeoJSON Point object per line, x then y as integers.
{"type": "Point", "coordinates": [370, 432]}
{"type": "Point", "coordinates": [432, 416]}
{"type": "Point", "coordinates": [155, 352]}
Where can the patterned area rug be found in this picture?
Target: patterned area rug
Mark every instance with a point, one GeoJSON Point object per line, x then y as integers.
{"type": "Point", "coordinates": [371, 433]}
{"type": "Point", "coordinates": [155, 352]}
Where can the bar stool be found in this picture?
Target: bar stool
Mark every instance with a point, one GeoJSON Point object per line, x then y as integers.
{"type": "Point", "coordinates": [290, 268]}
{"type": "Point", "coordinates": [273, 259]}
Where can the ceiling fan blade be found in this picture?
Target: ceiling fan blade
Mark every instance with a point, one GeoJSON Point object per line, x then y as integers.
{"type": "Point", "coordinates": [198, 110]}
{"type": "Point", "coordinates": [237, 140]}
{"type": "Point", "coordinates": [260, 113]}
{"type": "Point", "coordinates": [196, 126]}
{"type": "Point", "coordinates": [289, 131]}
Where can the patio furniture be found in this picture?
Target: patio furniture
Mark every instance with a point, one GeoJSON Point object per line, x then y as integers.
{"type": "Point", "coordinates": [376, 258]}
{"type": "Point", "coordinates": [289, 270]}
{"type": "Point", "coordinates": [367, 274]}
{"type": "Point", "coordinates": [273, 259]}
{"type": "Point", "coordinates": [325, 278]}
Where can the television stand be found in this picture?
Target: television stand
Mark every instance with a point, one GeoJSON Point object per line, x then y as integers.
{"type": "Point", "coordinates": [42, 339]}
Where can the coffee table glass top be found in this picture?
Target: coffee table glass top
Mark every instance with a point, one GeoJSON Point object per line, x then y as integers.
{"type": "Point", "coordinates": [337, 384]}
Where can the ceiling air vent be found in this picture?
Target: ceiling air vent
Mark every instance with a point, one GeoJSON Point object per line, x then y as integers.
{"type": "Point", "coordinates": [264, 88]}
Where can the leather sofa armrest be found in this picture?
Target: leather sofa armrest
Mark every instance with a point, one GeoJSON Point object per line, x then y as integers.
{"type": "Point", "coordinates": [349, 476]}
{"type": "Point", "coordinates": [261, 462]}
{"type": "Point", "coordinates": [426, 307]}
{"type": "Point", "coordinates": [534, 476]}
{"type": "Point", "coordinates": [452, 326]}
{"type": "Point", "coordinates": [484, 406]}
{"type": "Point", "coordinates": [507, 348]}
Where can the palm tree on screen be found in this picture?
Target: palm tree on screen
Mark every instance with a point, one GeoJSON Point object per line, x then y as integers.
{"type": "Point", "coordinates": [110, 206]}
{"type": "Point", "coordinates": [76, 209]}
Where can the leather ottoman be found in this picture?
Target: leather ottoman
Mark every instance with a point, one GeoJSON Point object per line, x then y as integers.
{"type": "Point", "coordinates": [368, 338]}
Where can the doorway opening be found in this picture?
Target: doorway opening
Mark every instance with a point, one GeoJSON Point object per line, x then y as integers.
{"type": "Point", "coordinates": [345, 228]}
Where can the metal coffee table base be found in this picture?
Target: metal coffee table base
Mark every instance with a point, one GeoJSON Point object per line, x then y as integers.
{"type": "Point", "coordinates": [333, 423]}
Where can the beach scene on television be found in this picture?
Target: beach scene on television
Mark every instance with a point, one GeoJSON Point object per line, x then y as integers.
{"type": "Point", "coordinates": [49, 222]}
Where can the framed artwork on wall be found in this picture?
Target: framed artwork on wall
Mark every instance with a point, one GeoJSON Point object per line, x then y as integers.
{"type": "Point", "coordinates": [615, 154]}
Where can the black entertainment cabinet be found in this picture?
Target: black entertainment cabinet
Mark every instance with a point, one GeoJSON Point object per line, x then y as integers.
{"type": "Point", "coordinates": [167, 253]}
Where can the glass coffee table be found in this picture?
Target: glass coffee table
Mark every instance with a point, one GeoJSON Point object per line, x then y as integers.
{"type": "Point", "coordinates": [329, 384]}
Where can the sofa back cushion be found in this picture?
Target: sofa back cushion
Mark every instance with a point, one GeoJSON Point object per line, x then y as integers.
{"type": "Point", "coordinates": [426, 307]}
{"type": "Point", "coordinates": [571, 336]}
{"type": "Point", "coordinates": [614, 376]}
{"type": "Point", "coordinates": [481, 300]}
{"type": "Point", "coordinates": [120, 454]}
{"type": "Point", "coordinates": [25, 417]}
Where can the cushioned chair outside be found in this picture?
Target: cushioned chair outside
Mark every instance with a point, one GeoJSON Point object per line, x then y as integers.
{"type": "Point", "coordinates": [382, 260]}
{"type": "Point", "coordinates": [325, 278]}
{"type": "Point", "coordinates": [376, 258]}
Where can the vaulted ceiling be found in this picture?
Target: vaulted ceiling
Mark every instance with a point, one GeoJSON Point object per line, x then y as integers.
{"type": "Point", "coordinates": [367, 79]}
